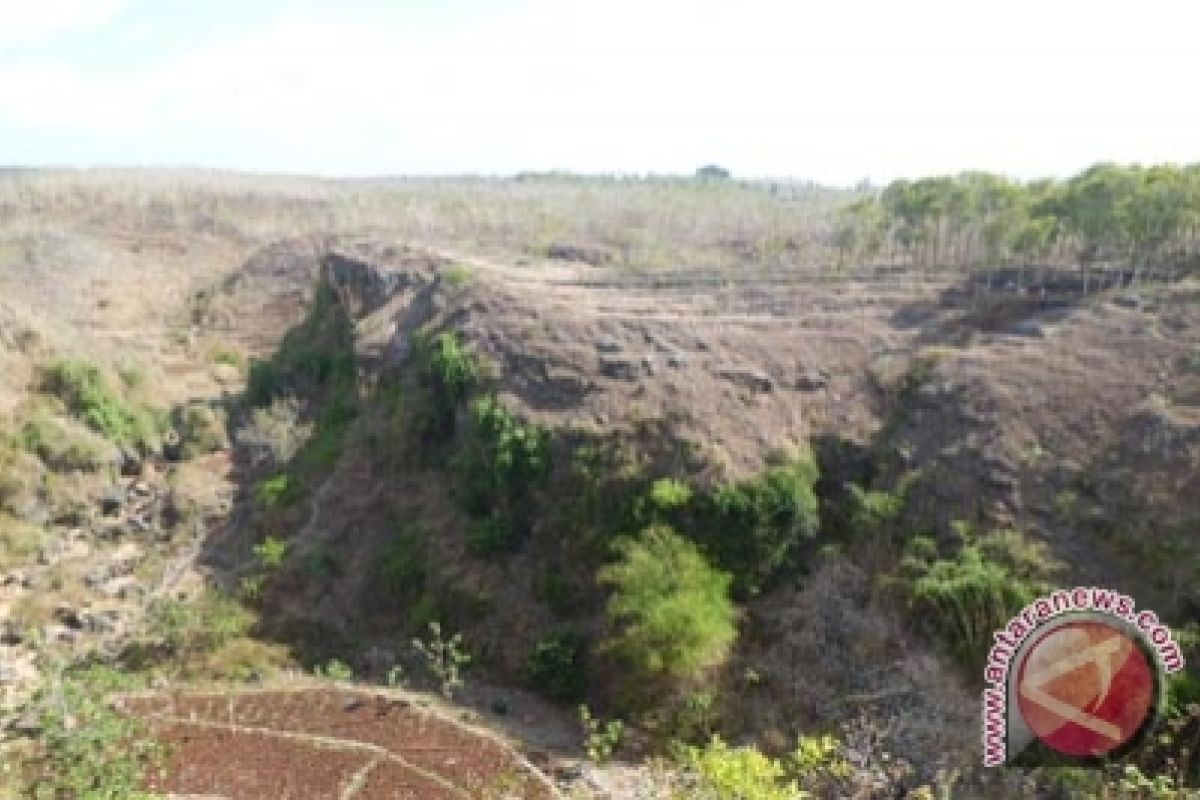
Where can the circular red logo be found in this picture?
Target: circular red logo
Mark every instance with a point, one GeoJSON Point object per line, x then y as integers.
{"type": "Point", "coordinates": [1085, 688]}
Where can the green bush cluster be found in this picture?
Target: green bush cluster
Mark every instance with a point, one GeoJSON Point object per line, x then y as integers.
{"type": "Point", "coordinates": [512, 453]}
{"type": "Point", "coordinates": [82, 388]}
{"type": "Point", "coordinates": [740, 773]}
{"type": "Point", "coordinates": [670, 610]}
{"type": "Point", "coordinates": [754, 528]}
{"type": "Point", "coordinates": [502, 459]}
{"type": "Point", "coordinates": [557, 666]}
{"type": "Point", "coordinates": [189, 627]}
{"type": "Point", "coordinates": [817, 767]}
{"type": "Point", "coordinates": [757, 526]}
{"type": "Point", "coordinates": [965, 597]}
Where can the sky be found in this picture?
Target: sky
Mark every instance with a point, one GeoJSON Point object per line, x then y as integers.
{"type": "Point", "coordinates": [835, 91]}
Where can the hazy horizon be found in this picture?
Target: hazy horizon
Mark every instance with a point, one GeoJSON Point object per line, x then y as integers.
{"type": "Point", "coordinates": [368, 88]}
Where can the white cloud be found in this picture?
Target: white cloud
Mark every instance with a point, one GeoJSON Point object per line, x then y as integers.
{"type": "Point", "coordinates": [834, 91]}
{"type": "Point", "coordinates": [35, 19]}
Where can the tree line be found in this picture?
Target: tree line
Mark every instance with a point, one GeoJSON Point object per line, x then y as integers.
{"type": "Point", "coordinates": [1133, 221]}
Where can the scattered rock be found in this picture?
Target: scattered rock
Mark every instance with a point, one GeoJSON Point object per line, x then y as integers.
{"type": "Point", "coordinates": [28, 724]}
{"type": "Point", "coordinates": [100, 622]}
{"type": "Point", "coordinates": [1029, 329]}
{"type": "Point", "coordinates": [1127, 300]}
{"type": "Point", "coordinates": [172, 446]}
{"type": "Point", "coordinates": [351, 703]}
{"type": "Point", "coordinates": [110, 502]}
{"type": "Point", "coordinates": [592, 254]}
{"type": "Point", "coordinates": [132, 465]}
{"type": "Point", "coordinates": [648, 364]}
{"type": "Point", "coordinates": [608, 345]}
{"type": "Point", "coordinates": [624, 369]}
{"type": "Point", "coordinates": [677, 360]}
{"type": "Point", "coordinates": [69, 617]}
{"type": "Point", "coordinates": [753, 379]}
{"type": "Point", "coordinates": [11, 634]}
{"type": "Point", "coordinates": [812, 381]}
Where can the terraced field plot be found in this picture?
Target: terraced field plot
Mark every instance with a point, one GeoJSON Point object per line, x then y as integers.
{"type": "Point", "coordinates": [326, 743]}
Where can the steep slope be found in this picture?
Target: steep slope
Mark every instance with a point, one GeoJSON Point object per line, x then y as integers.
{"type": "Point", "coordinates": [1032, 418]}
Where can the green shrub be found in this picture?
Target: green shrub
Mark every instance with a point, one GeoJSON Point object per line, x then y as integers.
{"type": "Point", "coordinates": [89, 749]}
{"type": "Point", "coordinates": [279, 491]}
{"type": "Point", "coordinates": [402, 563]}
{"type": "Point", "coordinates": [63, 444]}
{"type": "Point", "coordinates": [1183, 690]}
{"type": "Point", "coordinates": [271, 552]}
{"type": "Point", "coordinates": [695, 717]}
{"type": "Point", "coordinates": [669, 494]}
{"type": "Point", "coordinates": [740, 773]}
{"type": "Point", "coordinates": [334, 670]}
{"type": "Point", "coordinates": [819, 760]}
{"type": "Point", "coordinates": [448, 365]}
{"type": "Point", "coordinates": [424, 611]}
{"type": "Point", "coordinates": [493, 535]}
{"type": "Point", "coordinates": [964, 599]}
{"type": "Point", "coordinates": [190, 627]}
{"type": "Point", "coordinates": [601, 738]}
{"type": "Point", "coordinates": [755, 528]}
{"type": "Point", "coordinates": [670, 609]}
{"type": "Point", "coordinates": [500, 462]}
{"type": "Point", "coordinates": [86, 394]}
{"type": "Point", "coordinates": [447, 372]}
{"type": "Point", "coordinates": [445, 657]}
{"type": "Point", "coordinates": [816, 768]}
{"type": "Point", "coordinates": [873, 511]}
{"type": "Point", "coordinates": [557, 666]}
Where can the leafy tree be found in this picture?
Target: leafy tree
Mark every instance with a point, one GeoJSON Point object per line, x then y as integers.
{"type": "Point", "coordinates": [670, 610]}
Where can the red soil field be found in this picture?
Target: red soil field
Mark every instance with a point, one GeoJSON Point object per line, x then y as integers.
{"type": "Point", "coordinates": [326, 743]}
